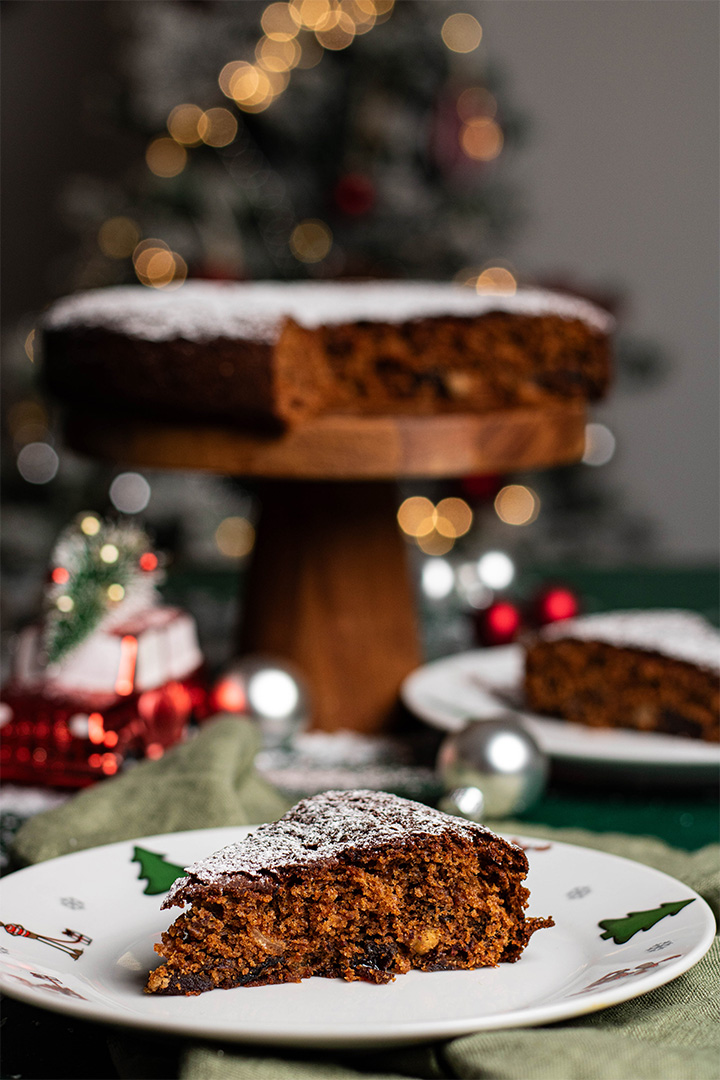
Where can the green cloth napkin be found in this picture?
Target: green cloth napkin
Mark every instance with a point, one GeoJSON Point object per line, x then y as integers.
{"type": "Point", "coordinates": [206, 782]}
{"type": "Point", "coordinates": [672, 1033]}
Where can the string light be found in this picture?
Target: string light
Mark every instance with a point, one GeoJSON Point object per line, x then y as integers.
{"type": "Point", "coordinates": [157, 266]}
{"type": "Point", "coordinates": [30, 346]}
{"type": "Point", "coordinates": [90, 525]}
{"type": "Point", "coordinates": [495, 569]}
{"type": "Point", "coordinates": [117, 237]}
{"type": "Point", "coordinates": [496, 279]}
{"type": "Point", "coordinates": [115, 592]}
{"type": "Point", "coordinates": [278, 23]}
{"type": "Point", "coordinates": [65, 604]}
{"type": "Point", "coordinates": [310, 241]}
{"type": "Point", "coordinates": [165, 157]}
{"type": "Point", "coordinates": [461, 33]}
{"type": "Point", "coordinates": [183, 124]}
{"type": "Point", "coordinates": [516, 504]}
{"type": "Point", "coordinates": [235, 537]}
{"type": "Point", "coordinates": [434, 528]}
{"type": "Point", "coordinates": [437, 578]}
{"type": "Point", "coordinates": [217, 127]}
{"type": "Point", "coordinates": [109, 553]}
{"type": "Point", "coordinates": [481, 139]}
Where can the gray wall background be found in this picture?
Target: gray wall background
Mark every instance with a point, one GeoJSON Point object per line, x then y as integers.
{"type": "Point", "coordinates": [621, 177]}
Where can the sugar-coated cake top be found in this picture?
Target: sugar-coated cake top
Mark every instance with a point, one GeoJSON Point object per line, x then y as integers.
{"type": "Point", "coordinates": [681, 635]}
{"type": "Point", "coordinates": [322, 827]}
{"type": "Point", "coordinates": [203, 310]}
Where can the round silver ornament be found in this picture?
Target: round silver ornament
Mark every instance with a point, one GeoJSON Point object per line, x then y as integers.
{"type": "Point", "coordinates": [492, 768]}
{"type": "Point", "coordinates": [268, 690]}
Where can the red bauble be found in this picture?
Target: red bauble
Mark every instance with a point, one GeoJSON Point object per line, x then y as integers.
{"type": "Point", "coordinates": [354, 194]}
{"type": "Point", "coordinates": [554, 603]}
{"type": "Point", "coordinates": [484, 486]}
{"type": "Point", "coordinates": [498, 624]}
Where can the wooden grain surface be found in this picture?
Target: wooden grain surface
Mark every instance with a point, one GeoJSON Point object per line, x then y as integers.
{"type": "Point", "coordinates": [344, 447]}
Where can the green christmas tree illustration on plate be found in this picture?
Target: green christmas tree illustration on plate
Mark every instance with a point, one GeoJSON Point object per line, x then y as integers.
{"type": "Point", "coordinates": [621, 930]}
{"type": "Point", "coordinates": [157, 871]}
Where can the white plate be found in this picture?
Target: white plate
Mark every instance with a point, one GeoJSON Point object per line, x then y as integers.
{"type": "Point", "coordinates": [566, 971]}
{"type": "Point", "coordinates": [484, 682]}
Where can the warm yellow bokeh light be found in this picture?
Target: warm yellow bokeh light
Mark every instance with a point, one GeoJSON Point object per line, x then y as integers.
{"type": "Point", "coordinates": [115, 593]}
{"type": "Point", "coordinates": [109, 553]}
{"type": "Point", "coordinates": [461, 33]}
{"type": "Point", "coordinates": [165, 157]}
{"type": "Point", "coordinates": [476, 101]}
{"type": "Point", "coordinates": [435, 543]}
{"type": "Point", "coordinates": [336, 32]}
{"type": "Point", "coordinates": [278, 23]}
{"type": "Point", "coordinates": [496, 279]}
{"type": "Point", "coordinates": [481, 139]}
{"type": "Point", "coordinates": [277, 55]}
{"type": "Point", "coordinates": [310, 241]}
{"type": "Point", "coordinates": [217, 127]}
{"type": "Point", "coordinates": [309, 13]}
{"type": "Point", "coordinates": [90, 525]}
{"type": "Point", "coordinates": [517, 505]}
{"type": "Point", "coordinates": [30, 345]}
{"type": "Point", "coordinates": [235, 537]}
{"type": "Point", "coordinates": [416, 516]}
{"type": "Point", "coordinates": [228, 73]}
{"type": "Point", "coordinates": [65, 603]}
{"type": "Point", "coordinates": [118, 237]}
{"type": "Point", "coordinates": [454, 517]}
{"type": "Point", "coordinates": [183, 124]}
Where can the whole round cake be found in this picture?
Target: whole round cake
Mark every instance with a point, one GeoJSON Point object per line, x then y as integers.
{"type": "Point", "coordinates": [273, 353]}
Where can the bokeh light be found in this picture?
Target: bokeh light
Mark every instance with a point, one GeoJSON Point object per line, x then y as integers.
{"type": "Point", "coordinates": [217, 127]}
{"type": "Point", "coordinates": [157, 266]}
{"type": "Point", "coordinates": [30, 346]}
{"type": "Point", "coordinates": [310, 241]}
{"type": "Point", "coordinates": [235, 537]}
{"type": "Point", "coordinates": [600, 445]}
{"type": "Point", "coordinates": [109, 553]}
{"type": "Point", "coordinates": [434, 543]}
{"type": "Point", "coordinates": [516, 504]}
{"type": "Point", "coordinates": [90, 524]}
{"type": "Point", "coordinates": [495, 569]}
{"type": "Point", "coordinates": [165, 157]}
{"type": "Point", "coordinates": [415, 516]}
{"type": "Point", "coordinates": [118, 237]}
{"type": "Point", "coordinates": [462, 33]}
{"type": "Point", "coordinates": [278, 23]}
{"type": "Point", "coordinates": [273, 693]}
{"type": "Point", "coordinates": [183, 124]}
{"type": "Point", "coordinates": [476, 101]}
{"type": "Point", "coordinates": [65, 603]}
{"type": "Point", "coordinates": [481, 139]}
{"type": "Point", "coordinates": [496, 279]}
{"type": "Point", "coordinates": [437, 578]}
{"type": "Point", "coordinates": [336, 31]}
{"type": "Point", "coordinates": [38, 463]}
{"type": "Point", "coordinates": [453, 517]}
{"type": "Point", "coordinates": [277, 55]}
{"type": "Point", "coordinates": [130, 493]}
{"type": "Point", "coordinates": [115, 593]}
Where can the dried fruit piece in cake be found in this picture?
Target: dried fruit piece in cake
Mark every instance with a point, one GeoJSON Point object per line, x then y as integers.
{"type": "Point", "coordinates": [648, 670]}
{"type": "Point", "coordinates": [352, 885]}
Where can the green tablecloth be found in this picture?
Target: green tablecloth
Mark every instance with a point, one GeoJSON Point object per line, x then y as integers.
{"type": "Point", "coordinates": [669, 1034]}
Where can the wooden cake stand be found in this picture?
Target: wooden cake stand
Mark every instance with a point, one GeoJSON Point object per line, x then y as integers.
{"type": "Point", "coordinates": [329, 588]}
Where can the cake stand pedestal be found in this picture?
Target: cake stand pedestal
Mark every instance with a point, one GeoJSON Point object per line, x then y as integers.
{"type": "Point", "coordinates": [329, 588]}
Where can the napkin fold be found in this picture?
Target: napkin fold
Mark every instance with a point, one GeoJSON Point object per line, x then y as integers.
{"type": "Point", "coordinates": [671, 1033]}
{"type": "Point", "coordinates": [206, 782]}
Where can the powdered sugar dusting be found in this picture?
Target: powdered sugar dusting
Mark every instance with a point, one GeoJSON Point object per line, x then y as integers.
{"type": "Point", "coordinates": [681, 635]}
{"type": "Point", "coordinates": [321, 828]}
{"type": "Point", "coordinates": [255, 311]}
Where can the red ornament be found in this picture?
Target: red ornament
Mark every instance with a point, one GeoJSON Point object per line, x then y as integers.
{"type": "Point", "coordinates": [354, 194]}
{"type": "Point", "coordinates": [498, 624]}
{"type": "Point", "coordinates": [484, 486]}
{"type": "Point", "coordinates": [60, 576]}
{"type": "Point", "coordinates": [555, 603]}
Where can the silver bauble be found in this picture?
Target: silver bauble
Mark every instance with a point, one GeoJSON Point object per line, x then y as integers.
{"type": "Point", "coordinates": [492, 768]}
{"type": "Point", "coordinates": [274, 694]}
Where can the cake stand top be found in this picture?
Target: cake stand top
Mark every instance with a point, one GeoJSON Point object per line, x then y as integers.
{"type": "Point", "coordinates": [338, 447]}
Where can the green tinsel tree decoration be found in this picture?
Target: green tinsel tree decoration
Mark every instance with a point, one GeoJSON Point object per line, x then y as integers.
{"type": "Point", "coordinates": [95, 565]}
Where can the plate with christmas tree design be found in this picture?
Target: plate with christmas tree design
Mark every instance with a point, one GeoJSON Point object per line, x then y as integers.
{"type": "Point", "coordinates": [77, 936]}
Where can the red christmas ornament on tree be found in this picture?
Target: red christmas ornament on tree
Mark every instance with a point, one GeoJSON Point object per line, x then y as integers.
{"type": "Point", "coordinates": [354, 194]}
{"type": "Point", "coordinates": [498, 624]}
{"type": "Point", "coordinates": [555, 602]}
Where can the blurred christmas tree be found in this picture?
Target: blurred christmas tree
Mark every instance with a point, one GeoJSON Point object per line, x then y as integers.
{"type": "Point", "coordinates": [309, 139]}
